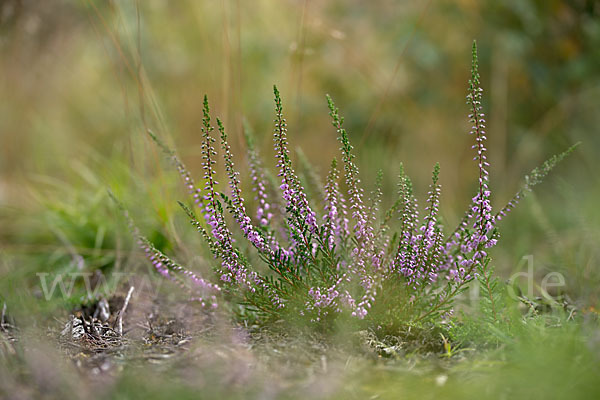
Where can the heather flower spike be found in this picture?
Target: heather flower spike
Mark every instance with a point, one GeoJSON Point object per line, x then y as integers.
{"type": "Point", "coordinates": [238, 208]}
{"type": "Point", "coordinates": [293, 192]}
{"type": "Point", "coordinates": [350, 259]}
{"type": "Point", "coordinates": [264, 211]}
{"type": "Point", "coordinates": [336, 222]}
{"type": "Point", "coordinates": [482, 201]}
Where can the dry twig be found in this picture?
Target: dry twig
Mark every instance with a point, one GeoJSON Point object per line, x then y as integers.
{"type": "Point", "coordinates": [120, 320]}
{"type": "Point", "coordinates": [3, 316]}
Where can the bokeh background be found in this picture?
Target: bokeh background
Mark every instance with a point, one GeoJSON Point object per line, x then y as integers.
{"type": "Point", "coordinates": [82, 80]}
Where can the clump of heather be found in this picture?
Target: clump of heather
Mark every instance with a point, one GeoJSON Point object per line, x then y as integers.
{"type": "Point", "coordinates": [338, 255]}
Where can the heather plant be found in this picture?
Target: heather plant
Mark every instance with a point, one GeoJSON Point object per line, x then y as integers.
{"type": "Point", "coordinates": [337, 255]}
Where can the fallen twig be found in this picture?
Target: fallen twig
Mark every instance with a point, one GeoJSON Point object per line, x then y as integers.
{"type": "Point", "coordinates": [3, 316]}
{"type": "Point", "coordinates": [120, 320]}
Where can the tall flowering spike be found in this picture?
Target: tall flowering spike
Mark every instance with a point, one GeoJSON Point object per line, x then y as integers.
{"type": "Point", "coordinates": [264, 212]}
{"type": "Point", "coordinates": [379, 242]}
{"type": "Point", "coordinates": [232, 267]}
{"type": "Point", "coordinates": [213, 212]}
{"type": "Point", "coordinates": [336, 223]}
{"type": "Point", "coordinates": [469, 253]}
{"type": "Point", "coordinates": [431, 244]}
{"type": "Point", "coordinates": [364, 253]}
{"type": "Point", "coordinates": [293, 192]}
{"type": "Point", "coordinates": [484, 220]}
{"type": "Point", "coordinates": [410, 214]}
{"type": "Point", "coordinates": [208, 154]}
{"type": "Point", "coordinates": [433, 202]}
{"type": "Point", "coordinates": [239, 209]}
{"type": "Point", "coordinates": [405, 260]}
{"type": "Point", "coordinates": [355, 192]}
{"type": "Point", "coordinates": [234, 180]}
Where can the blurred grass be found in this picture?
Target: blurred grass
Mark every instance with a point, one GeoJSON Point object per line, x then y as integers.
{"type": "Point", "coordinates": [82, 80]}
{"type": "Point", "coordinates": [549, 358]}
